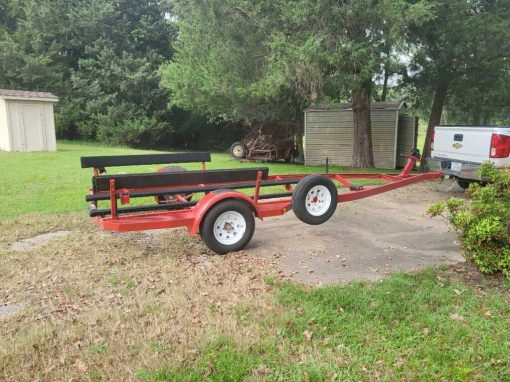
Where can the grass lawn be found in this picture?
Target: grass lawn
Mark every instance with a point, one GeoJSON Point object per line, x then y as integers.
{"type": "Point", "coordinates": [55, 182]}
{"type": "Point", "coordinates": [98, 306]}
{"type": "Point", "coordinates": [405, 328]}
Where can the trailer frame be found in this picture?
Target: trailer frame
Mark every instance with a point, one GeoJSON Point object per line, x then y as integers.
{"type": "Point", "coordinates": [190, 214]}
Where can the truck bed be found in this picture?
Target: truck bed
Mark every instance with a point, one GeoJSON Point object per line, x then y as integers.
{"type": "Point", "coordinates": [470, 144]}
{"type": "Point", "coordinates": [462, 149]}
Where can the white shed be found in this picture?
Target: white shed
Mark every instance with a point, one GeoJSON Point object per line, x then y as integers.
{"type": "Point", "coordinates": [26, 121]}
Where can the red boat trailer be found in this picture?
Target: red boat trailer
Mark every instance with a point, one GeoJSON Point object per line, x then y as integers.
{"type": "Point", "coordinates": [224, 216]}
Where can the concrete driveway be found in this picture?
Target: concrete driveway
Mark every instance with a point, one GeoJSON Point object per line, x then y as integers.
{"type": "Point", "coordinates": [364, 240]}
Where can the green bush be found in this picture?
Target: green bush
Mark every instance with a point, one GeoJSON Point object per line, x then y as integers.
{"type": "Point", "coordinates": [123, 125]}
{"type": "Point", "coordinates": [141, 132]}
{"type": "Point", "coordinates": [483, 221]}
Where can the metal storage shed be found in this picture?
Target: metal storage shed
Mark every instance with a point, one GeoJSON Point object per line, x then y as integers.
{"type": "Point", "coordinates": [26, 121]}
{"type": "Point", "coordinates": [329, 134]}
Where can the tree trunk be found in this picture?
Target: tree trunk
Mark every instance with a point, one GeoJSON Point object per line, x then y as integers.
{"type": "Point", "coordinates": [385, 83]}
{"type": "Point", "coordinates": [299, 141]}
{"type": "Point", "coordinates": [362, 153]}
{"type": "Point", "coordinates": [434, 120]}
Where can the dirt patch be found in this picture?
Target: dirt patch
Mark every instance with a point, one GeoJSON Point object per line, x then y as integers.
{"type": "Point", "coordinates": [366, 239]}
{"type": "Point", "coordinates": [38, 240]}
{"type": "Point", "coordinates": [468, 273]}
{"type": "Point", "coordinates": [29, 226]}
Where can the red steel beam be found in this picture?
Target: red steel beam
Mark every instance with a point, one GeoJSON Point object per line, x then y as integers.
{"type": "Point", "coordinates": [267, 208]}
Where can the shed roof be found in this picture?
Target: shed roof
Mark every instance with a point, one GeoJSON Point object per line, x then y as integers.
{"type": "Point", "coordinates": [391, 105]}
{"type": "Point", "coordinates": [22, 94]}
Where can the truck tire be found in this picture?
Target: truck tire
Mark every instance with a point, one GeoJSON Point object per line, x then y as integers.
{"type": "Point", "coordinates": [228, 226]}
{"type": "Point", "coordinates": [463, 183]}
{"type": "Point", "coordinates": [314, 199]}
{"type": "Point", "coordinates": [238, 150]}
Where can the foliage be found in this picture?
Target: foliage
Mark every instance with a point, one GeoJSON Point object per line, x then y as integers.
{"type": "Point", "coordinates": [462, 51]}
{"type": "Point", "coordinates": [241, 60]}
{"type": "Point", "coordinates": [270, 59]}
{"type": "Point", "coordinates": [116, 79]}
{"type": "Point", "coordinates": [221, 61]}
{"type": "Point", "coordinates": [481, 96]}
{"type": "Point", "coordinates": [483, 223]}
{"type": "Point", "coordinates": [101, 57]}
{"type": "Point", "coordinates": [120, 127]}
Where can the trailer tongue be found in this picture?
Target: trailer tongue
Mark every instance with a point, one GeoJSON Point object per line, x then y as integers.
{"type": "Point", "coordinates": [223, 215]}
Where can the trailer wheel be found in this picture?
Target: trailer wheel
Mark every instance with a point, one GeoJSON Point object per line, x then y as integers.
{"type": "Point", "coordinates": [314, 199]}
{"type": "Point", "coordinates": [165, 199]}
{"type": "Point", "coordinates": [238, 150]}
{"type": "Point", "coordinates": [228, 226]}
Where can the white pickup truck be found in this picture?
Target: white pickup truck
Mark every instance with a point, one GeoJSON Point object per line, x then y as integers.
{"type": "Point", "coordinates": [462, 149]}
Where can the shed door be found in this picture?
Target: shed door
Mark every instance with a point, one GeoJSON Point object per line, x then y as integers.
{"type": "Point", "coordinates": [33, 128]}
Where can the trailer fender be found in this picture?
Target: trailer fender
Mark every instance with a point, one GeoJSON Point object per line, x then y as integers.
{"type": "Point", "coordinates": [214, 197]}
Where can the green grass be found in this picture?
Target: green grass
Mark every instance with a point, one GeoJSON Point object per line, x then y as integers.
{"type": "Point", "coordinates": [412, 328]}
{"type": "Point", "coordinates": [55, 182]}
{"type": "Point", "coordinates": [404, 328]}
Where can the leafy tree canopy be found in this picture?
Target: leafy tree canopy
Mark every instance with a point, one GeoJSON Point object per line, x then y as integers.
{"type": "Point", "coordinates": [101, 57]}
{"type": "Point", "coordinates": [462, 52]}
{"type": "Point", "coordinates": [270, 59]}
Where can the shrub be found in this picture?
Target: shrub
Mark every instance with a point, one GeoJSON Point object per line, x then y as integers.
{"type": "Point", "coordinates": [123, 125]}
{"type": "Point", "coordinates": [139, 132]}
{"type": "Point", "coordinates": [483, 221]}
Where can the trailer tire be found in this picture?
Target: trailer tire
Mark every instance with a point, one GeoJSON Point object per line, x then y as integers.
{"type": "Point", "coordinates": [238, 150]}
{"type": "Point", "coordinates": [166, 199]}
{"type": "Point", "coordinates": [228, 226]}
{"type": "Point", "coordinates": [314, 199]}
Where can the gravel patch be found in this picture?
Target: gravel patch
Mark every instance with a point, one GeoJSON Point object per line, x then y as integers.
{"type": "Point", "coordinates": [8, 310]}
{"type": "Point", "coordinates": [36, 241]}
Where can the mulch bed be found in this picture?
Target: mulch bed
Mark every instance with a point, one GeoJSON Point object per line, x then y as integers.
{"type": "Point", "coordinates": [469, 273]}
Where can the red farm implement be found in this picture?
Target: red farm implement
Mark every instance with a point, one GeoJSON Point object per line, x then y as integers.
{"type": "Point", "coordinates": [223, 215]}
{"type": "Point", "coordinates": [269, 141]}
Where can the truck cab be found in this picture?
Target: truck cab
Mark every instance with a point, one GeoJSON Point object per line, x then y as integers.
{"type": "Point", "coordinates": [461, 150]}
